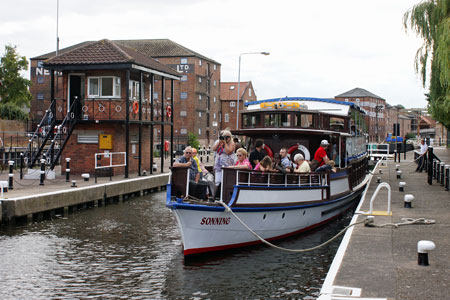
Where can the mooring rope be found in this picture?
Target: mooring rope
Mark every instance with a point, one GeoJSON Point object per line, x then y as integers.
{"type": "Point", "coordinates": [367, 222]}
{"type": "Point", "coordinates": [228, 209]}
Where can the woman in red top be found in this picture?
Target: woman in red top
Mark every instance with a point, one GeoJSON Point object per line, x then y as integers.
{"type": "Point", "coordinates": [321, 154]}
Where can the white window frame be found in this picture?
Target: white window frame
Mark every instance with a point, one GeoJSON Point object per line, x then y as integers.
{"type": "Point", "coordinates": [199, 96]}
{"type": "Point", "coordinates": [199, 131]}
{"type": "Point", "coordinates": [214, 115]}
{"type": "Point", "coordinates": [199, 62]}
{"type": "Point", "coordinates": [215, 83]}
{"type": "Point", "coordinates": [199, 114]}
{"type": "Point", "coordinates": [227, 118]}
{"type": "Point", "coordinates": [116, 88]}
{"type": "Point", "coordinates": [249, 92]}
{"type": "Point", "coordinates": [232, 104]}
{"type": "Point", "coordinates": [183, 61]}
{"type": "Point", "coordinates": [134, 89]}
{"type": "Point", "coordinates": [199, 79]}
{"type": "Point", "coordinates": [184, 78]}
{"type": "Point", "coordinates": [215, 67]}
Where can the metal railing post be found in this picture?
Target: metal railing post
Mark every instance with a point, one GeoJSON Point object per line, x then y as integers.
{"type": "Point", "coordinates": [447, 176]}
{"type": "Point", "coordinates": [430, 165]}
{"type": "Point", "coordinates": [11, 174]}
{"type": "Point", "coordinates": [41, 182]}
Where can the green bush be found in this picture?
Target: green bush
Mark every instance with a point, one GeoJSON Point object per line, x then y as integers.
{"type": "Point", "coordinates": [410, 135]}
{"type": "Point", "coordinates": [10, 111]}
{"type": "Point", "coordinates": [156, 153]}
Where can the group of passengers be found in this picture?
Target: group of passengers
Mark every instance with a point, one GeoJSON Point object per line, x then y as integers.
{"type": "Point", "coordinates": [228, 155]}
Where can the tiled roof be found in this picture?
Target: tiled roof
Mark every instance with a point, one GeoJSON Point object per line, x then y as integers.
{"type": "Point", "coordinates": [162, 48]}
{"type": "Point", "coordinates": [62, 51]}
{"type": "Point", "coordinates": [229, 93]}
{"type": "Point", "coordinates": [107, 52]}
{"type": "Point", "coordinates": [359, 92]}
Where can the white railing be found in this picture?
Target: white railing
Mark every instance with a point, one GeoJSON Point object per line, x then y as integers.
{"type": "Point", "coordinates": [279, 179]}
{"type": "Point", "coordinates": [110, 156]}
{"type": "Point", "coordinates": [378, 150]}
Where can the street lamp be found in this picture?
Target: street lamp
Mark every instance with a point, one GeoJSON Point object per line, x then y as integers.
{"type": "Point", "coordinates": [378, 108]}
{"type": "Point", "coordinates": [239, 83]}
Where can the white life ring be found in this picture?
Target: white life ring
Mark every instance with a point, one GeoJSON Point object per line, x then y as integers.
{"type": "Point", "coordinates": [301, 148]}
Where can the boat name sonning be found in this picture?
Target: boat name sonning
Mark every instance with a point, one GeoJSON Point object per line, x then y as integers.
{"type": "Point", "coordinates": [215, 221]}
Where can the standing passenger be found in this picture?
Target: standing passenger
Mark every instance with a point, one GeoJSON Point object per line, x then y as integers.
{"type": "Point", "coordinates": [224, 155]}
{"type": "Point", "coordinates": [257, 155]}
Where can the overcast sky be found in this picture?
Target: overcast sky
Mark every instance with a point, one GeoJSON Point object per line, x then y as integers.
{"type": "Point", "coordinates": [317, 48]}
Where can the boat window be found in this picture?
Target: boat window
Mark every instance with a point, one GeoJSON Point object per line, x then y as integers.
{"type": "Point", "coordinates": [277, 120]}
{"type": "Point", "coordinates": [304, 120]}
{"type": "Point", "coordinates": [337, 124]}
{"type": "Point", "coordinates": [251, 120]}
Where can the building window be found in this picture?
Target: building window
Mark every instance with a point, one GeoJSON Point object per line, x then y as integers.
{"type": "Point", "coordinates": [184, 78]}
{"type": "Point", "coordinates": [232, 104]}
{"type": "Point", "coordinates": [183, 95]}
{"type": "Point", "coordinates": [40, 79]}
{"type": "Point", "coordinates": [215, 67]}
{"type": "Point", "coordinates": [227, 118]}
{"type": "Point", "coordinates": [86, 138]}
{"type": "Point", "coordinates": [40, 96]}
{"type": "Point", "coordinates": [183, 131]}
{"type": "Point", "coordinates": [249, 92]}
{"type": "Point", "coordinates": [183, 61]}
{"type": "Point", "coordinates": [199, 97]}
{"type": "Point", "coordinates": [214, 115]}
{"type": "Point", "coordinates": [199, 62]}
{"type": "Point", "coordinates": [105, 86]}
{"type": "Point", "coordinates": [215, 99]}
{"type": "Point", "coordinates": [199, 131]}
{"type": "Point", "coordinates": [183, 113]}
{"type": "Point", "coordinates": [199, 79]}
{"type": "Point", "coordinates": [199, 114]}
{"type": "Point", "coordinates": [232, 87]}
{"type": "Point", "coordinates": [134, 90]}
{"type": "Point", "coordinates": [215, 83]}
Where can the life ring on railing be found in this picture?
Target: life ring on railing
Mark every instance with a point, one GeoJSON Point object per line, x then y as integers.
{"type": "Point", "coordinates": [135, 107]}
{"type": "Point", "coordinates": [300, 148]}
{"type": "Point", "coordinates": [168, 111]}
{"type": "Point", "coordinates": [268, 151]}
{"type": "Point", "coordinates": [279, 105]}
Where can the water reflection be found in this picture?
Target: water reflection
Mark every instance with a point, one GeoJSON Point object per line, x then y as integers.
{"type": "Point", "coordinates": [133, 251]}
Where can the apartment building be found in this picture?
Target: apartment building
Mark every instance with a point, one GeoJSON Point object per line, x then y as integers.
{"type": "Point", "coordinates": [229, 99]}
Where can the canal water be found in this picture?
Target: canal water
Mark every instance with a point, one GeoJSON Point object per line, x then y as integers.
{"type": "Point", "coordinates": [132, 250]}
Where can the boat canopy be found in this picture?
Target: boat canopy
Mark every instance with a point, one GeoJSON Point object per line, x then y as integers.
{"type": "Point", "coordinates": [321, 105]}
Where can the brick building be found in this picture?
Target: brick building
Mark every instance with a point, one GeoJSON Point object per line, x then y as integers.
{"type": "Point", "coordinates": [396, 116]}
{"type": "Point", "coordinates": [198, 101]}
{"type": "Point", "coordinates": [228, 99]}
{"type": "Point", "coordinates": [375, 108]}
{"type": "Point", "coordinates": [96, 90]}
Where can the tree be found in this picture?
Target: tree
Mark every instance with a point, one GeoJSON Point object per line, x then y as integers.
{"type": "Point", "coordinates": [13, 87]}
{"type": "Point", "coordinates": [430, 19]}
{"type": "Point", "coordinates": [193, 140]}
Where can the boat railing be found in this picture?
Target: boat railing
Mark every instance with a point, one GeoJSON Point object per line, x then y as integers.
{"type": "Point", "coordinates": [271, 179]}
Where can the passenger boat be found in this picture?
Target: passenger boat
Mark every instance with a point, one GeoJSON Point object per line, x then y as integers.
{"type": "Point", "coordinates": [276, 205]}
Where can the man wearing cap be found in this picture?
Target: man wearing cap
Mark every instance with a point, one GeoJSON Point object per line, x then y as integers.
{"type": "Point", "coordinates": [321, 153]}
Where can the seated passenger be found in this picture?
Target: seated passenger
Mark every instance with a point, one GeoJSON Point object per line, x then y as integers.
{"type": "Point", "coordinates": [242, 160]}
{"type": "Point", "coordinates": [265, 164]}
{"type": "Point", "coordinates": [187, 161]}
{"type": "Point", "coordinates": [329, 166]}
{"type": "Point", "coordinates": [302, 164]}
{"type": "Point", "coordinates": [285, 161]}
{"type": "Point", "coordinates": [278, 164]}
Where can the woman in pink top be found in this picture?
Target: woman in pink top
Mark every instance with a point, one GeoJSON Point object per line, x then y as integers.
{"type": "Point", "coordinates": [242, 162]}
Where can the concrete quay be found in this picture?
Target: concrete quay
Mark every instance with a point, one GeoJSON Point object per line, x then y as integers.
{"type": "Point", "coordinates": [382, 263]}
{"type": "Point", "coordinates": [29, 200]}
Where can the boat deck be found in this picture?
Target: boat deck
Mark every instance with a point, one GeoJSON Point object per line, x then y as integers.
{"type": "Point", "coordinates": [383, 262]}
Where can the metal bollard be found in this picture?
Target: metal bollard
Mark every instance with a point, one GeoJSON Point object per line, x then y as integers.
{"type": "Point", "coordinates": [67, 169]}
{"type": "Point", "coordinates": [11, 174]}
{"type": "Point", "coordinates": [447, 177]}
{"type": "Point", "coordinates": [434, 167]}
{"type": "Point", "coordinates": [430, 166]}
{"type": "Point", "coordinates": [442, 173]}
{"type": "Point", "coordinates": [395, 155]}
{"type": "Point", "coordinates": [438, 172]}
{"type": "Point", "coordinates": [21, 165]}
{"type": "Point", "coordinates": [41, 182]}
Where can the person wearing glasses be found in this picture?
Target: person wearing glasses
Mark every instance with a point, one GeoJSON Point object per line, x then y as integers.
{"type": "Point", "coordinates": [224, 155]}
{"type": "Point", "coordinates": [242, 160]}
{"type": "Point", "coordinates": [187, 161]}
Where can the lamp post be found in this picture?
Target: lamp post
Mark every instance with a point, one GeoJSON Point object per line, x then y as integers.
{"type": "Point", "coordinates": [377, 109]}
{"type": "Point", "coordinates": [239, 83]}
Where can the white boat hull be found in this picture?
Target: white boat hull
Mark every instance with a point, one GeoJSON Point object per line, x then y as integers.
{"type": "Point", "coordinates": [206, 229]}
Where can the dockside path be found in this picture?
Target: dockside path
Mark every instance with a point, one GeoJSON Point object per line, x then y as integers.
{"type": "Point", "coordinates": [383, 262]}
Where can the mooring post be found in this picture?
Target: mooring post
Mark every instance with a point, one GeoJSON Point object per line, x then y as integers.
{"type": "Point", "coordinates": [442, 173]}
{"type": "Point", "coordinates": [430, 165]}
{"type": "Point", "coordinates": [447, 177]}
{"type": "Point", "coordinates": [21, 165]}
{"type": "Point", "coordinates": [67, 169]}
{"type": "Point", "coordinates": [42, 171]}
{"type": "Point", "coordinates": [11, 174]}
